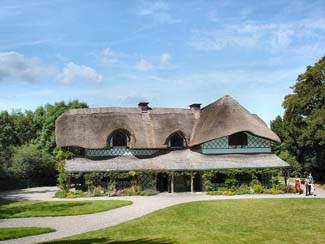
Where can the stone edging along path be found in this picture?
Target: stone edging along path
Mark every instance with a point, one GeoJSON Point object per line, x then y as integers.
{"type": "Point", "coordinates": [72, 225]}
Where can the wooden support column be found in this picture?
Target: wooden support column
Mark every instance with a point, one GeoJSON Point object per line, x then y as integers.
{"type": "Point", "coordinates": [172, 184]}
{"type": "Point", "coordinates": [69, 182]}
{"type": "Point", "coordinates": [192, 183]}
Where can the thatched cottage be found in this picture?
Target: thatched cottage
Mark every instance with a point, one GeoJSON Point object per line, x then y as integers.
{"type": "Point", "coordinates": [221, 135]}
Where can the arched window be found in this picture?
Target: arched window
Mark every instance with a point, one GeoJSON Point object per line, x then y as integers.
{"type": "Point", "coordinates": [238, 139]}
{"type": "Point", "coordinates": [177, 141]}
{"type": "Point", "coordinates": [119, 139]}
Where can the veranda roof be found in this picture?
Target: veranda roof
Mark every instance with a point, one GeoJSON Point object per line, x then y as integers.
{"type": "Point", "coordinates": [177, 160]}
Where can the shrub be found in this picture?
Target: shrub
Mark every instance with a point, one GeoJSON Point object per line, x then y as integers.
{"type": "Point", "coordinates": [230, 182]}
{"type": "Point", "coordinates": [255, 182]}
{"type": "Point", "coordinates": [30, 162]}
{"type": "Point", "coordinates": [207, 182]}
{"type": "Point", "coordinates": [79, 193]}
{"type": "Point", "coordinates": [258, 188]}
{"type": "Point", "coordinates": [291, 189]}
{"type": "Point", "coordinates": [60, 194]}
{"type": "Point", "coordinates": [286, 188]}
{"type": "Point", "coordinates": [275, 181]}
{"type": "Point", "coordinates": [229, 193]}
{"type": "Point", "coordinates": [149, 192]}
{"type": "Point", "coordinates": [62, 178]}
{"type": "Point", "coordinates": [215, 192]}
{"type": "Point", "coordinates": [273, 191]}
{"type": "Point", "coordinates": [133, 191]}
{"type": "Point", "coordinates": [70, 195]}
{"type": "Point", "coordinates": [243, 189]}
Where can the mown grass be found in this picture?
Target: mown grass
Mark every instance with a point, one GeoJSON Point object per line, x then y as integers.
{"type": "Point", "coordinates": [11, 209]}
{"type": "Point", "coordinates": [271, 221]}
{"type": "Point", "coordinates": [18, 232]}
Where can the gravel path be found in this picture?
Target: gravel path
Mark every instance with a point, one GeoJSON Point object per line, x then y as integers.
{"type": "Point", "coordinates": [72, 225]}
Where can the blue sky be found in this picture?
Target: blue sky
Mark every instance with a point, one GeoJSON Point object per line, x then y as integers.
{"type": "Point", "coordinates": [170, 53]}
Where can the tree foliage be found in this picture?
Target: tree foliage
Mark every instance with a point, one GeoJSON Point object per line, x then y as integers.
{"type": "Point", "coordinates": [29, 133]}
{"type": "Point", "coordinates": [30, 162]}
{"type": "Point", "coordinates": [302, 128]}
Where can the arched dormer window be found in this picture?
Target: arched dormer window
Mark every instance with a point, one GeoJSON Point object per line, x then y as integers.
{"type": "Point", "coordinates": [119, 138]}
{"type": "Point", "coordinates": [238, 139]}
{"type": "Point", "coordinates": [176, 140]}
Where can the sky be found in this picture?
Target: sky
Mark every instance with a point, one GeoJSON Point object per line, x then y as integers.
{"type": "Point", "coordinates": [168, 53]}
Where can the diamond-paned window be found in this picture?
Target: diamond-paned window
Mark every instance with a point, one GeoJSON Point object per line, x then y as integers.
{"type": "Point", "coordinates": [119, 151]}
{"type": "Point", "coordinates": [222, 143]}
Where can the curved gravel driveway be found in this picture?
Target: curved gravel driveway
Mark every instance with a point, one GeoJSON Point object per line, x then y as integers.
{"type": "Point", "coordinates": [72, 225]}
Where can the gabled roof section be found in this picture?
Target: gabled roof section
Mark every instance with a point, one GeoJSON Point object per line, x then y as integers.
{"type": "Point", "coordinates": [225, 117]}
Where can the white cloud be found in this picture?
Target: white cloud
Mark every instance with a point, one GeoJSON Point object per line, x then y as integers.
{"type": "Point", "coordinates": [158, 11]}
{"type": "Point", "coordinates": [165, 58]}
{"type": "Point", "coordinates": [73, 73]}
{"type": "Point", "coordinates": [143, 65]}
{"type": "Point", "coordinates": [271, 37]}
{"type": "Point", "coordinates": [108, 56]}
{"type": "Point", "coordinates": [151, 8]}
{"type": "Point", "coordinates": [16, 66]}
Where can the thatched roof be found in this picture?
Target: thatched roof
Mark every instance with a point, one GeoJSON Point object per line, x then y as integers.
{"type": "Point", "coordinates": [177, 160]}
{"type": "Point", "coordinates": [91, 127]}
{"type": "Point", "coordinates": [225, 117]}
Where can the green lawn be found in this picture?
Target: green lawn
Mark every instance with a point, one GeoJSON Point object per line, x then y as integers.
{"type": "Point", "coordinates": [12, 233]}
{"type": "Point", "coordinates": [10, 209]}
{"type": "Point", "coordinates": [271, 221]}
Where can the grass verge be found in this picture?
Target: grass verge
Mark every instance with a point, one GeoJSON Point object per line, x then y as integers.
{"type": "Point", "coordinates": [245, 221]}
{"type": "Point", "coordinates": [18, 232]}
{"type": "Point", "coordinates": [11, 209]}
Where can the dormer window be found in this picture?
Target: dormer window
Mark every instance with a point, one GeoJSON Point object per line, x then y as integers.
{"type": "Point", "coordinates": [177, 141]}
{"type": "Point", "coordinates": [237, 139]}
{"type": "Point", "coordinates": [119, 139]}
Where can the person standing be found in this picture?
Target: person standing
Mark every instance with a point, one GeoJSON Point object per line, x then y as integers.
{"type": "Point", "coordinates": [306, 185]}
{"type": "Point", "coordinates": [310, 182]}
{"type": "Point", "coordinates": [297, 184]}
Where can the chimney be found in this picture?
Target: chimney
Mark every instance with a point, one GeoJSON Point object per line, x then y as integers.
{"type": "Point", "coordinates": [196, 109]}
{"type": "Point", "coordinates": [143, 106]}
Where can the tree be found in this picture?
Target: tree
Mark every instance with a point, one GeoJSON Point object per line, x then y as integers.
{"type": "Point", "coordinates": [30, 133]}
{"type": "Point", "coordinates": [46, 138]}
{"type": "Point", "coordinates": [302, 127]}
{"type": "Point", "coordinates": [29, 162]}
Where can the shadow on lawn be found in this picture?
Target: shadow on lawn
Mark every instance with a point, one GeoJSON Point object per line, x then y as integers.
{"type": "Point", "coordinates": [109, 241]}
{"type": "Point", "coordinates": [22, 194]}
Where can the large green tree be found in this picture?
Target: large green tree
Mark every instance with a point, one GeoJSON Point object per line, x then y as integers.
{"type": "Point", "coordinates": [302, 128]}
{"type": "Point", "coordinates": [27, 131]}
{"type": "Point", "coordinates": [30, 162]}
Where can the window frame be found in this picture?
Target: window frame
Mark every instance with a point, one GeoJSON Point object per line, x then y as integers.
{"type": "Point", "coordinates": [238, 139]}
{"type": "Point", "coordinates": [180, 136]}
{"type": "Point", "coordinates": [119, 132]}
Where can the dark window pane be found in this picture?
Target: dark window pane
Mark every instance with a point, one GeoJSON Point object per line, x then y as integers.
{"type": "Point", "coordinates": [119, 140]}
{"type": "Point", "coordinates": [176, 141]}
{"type": "Point", "coordinates": [238, 139]}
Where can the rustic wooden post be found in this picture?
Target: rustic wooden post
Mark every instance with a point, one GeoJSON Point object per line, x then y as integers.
{"type": "Point", "coordinates": [192, 183]}
{"type": "Point", "coordinates": [172, 184]}
{"type": "Point", "coordinates": [69, 182]}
